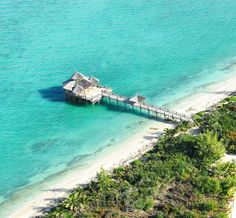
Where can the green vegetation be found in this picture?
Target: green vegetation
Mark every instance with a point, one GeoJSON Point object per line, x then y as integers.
{"type": "Point", "coordinates": [222, 122]}
{"type": "Point", "coordinates": [178, 178]}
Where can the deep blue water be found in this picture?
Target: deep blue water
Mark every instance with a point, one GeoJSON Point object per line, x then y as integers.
{"type": "Point", "coordinates": [161, 49]}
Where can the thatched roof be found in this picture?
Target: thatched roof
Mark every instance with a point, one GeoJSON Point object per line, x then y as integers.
{"type": "Point", "coordinates": [70, 85]}
{"type": "Point", "coordinates": [94, 80]}
{"type": "Point", "coordinates": [137, 99]}
{"type": "Point", "coordinates": [84, 83]}
{"type": "Point", "coordinates": [79, 82]}
{"type": "Point", "coordinates": [78, 76]}
{"type": "Point", "coordinates": [78, 89]}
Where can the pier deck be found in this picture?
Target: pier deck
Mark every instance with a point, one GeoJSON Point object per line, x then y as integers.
{"type": "Point", "coordinates": [88, 89]}
{"type": "Point", "coordinates": [167, 114]}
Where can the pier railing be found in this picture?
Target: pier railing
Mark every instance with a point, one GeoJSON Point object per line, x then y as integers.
{"type": "Point", "coordinates": [167, 114]}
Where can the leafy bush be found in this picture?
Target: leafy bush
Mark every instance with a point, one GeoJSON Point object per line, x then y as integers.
{"type": "Point", "coordinates": [208, 148]}
{"type": "Point", "coordinates": [222, 122]}
{"type": "Point", "coordinates": [207, 205]}
{"type": "Point", "coordinates": [207, 185]}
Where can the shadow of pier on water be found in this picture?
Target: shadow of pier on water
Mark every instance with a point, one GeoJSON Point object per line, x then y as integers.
{"type": "Point", "coordinates": [54, 94]}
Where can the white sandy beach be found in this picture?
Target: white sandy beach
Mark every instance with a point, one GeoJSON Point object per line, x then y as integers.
{"type": "Point", "coordinates": [130, 148]}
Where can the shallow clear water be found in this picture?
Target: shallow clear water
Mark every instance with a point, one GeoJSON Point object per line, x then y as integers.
{"type": "Point", "coordinates": [161, 49]}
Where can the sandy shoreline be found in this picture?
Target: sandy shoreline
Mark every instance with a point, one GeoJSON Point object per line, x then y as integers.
{"type": "Point", "coordinates": [131, 148]}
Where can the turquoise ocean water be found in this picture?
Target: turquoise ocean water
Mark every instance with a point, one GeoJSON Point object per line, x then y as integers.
{"type": "Point", "coordinates": [161, 49]}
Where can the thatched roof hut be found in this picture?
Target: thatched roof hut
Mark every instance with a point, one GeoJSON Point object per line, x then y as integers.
{"type": "Point", "coordinates": [137, 99]}
{"type": "Point", "coordinates": [84, 87]}
{"type": "Point", "coordinates": [78, 79]}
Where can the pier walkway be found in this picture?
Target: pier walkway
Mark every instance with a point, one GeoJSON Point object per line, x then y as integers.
{"type": "Point", "coordinates": [88, 89]}
{"type": "Point", "coordinates": [167, 114]}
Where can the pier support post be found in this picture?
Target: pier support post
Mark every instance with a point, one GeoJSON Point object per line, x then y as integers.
{"type": "Point", "coordinates": [66, 96]}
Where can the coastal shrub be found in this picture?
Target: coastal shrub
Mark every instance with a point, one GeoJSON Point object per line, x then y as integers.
{"type": "Point", "coordinates": [149, 204]}
{"type": "Point", "coordinates": [199, 116]}
{"type": "Point", "coordinates": [228, 185]}
{"type": "Point", "coordinates": [207, 205]}
{"type": "Point", "coordinates": [225, 172]}
{"type": "Point", "coordinates": [186, 214]}
{"type": "Point", "coordinates": [144, 203]}
{"type": "Point", "coordinates": [160, 214]}
{"type": "Point", "coordinates": [137, 162]}
{"type": "Point", "coordinates": [67, 215]}
{"type": "Point", "coordinates": [222, 170]}
{"type": "Point", "coordinates": [208, 148]}
{"type": "Point", "coordinates": [230, 99]}
{"type": "Point", "coordinates": [183, 143]}
{"type": "Point", "coordinates": [231, 138]}
{"type": "Point", "coordinates": [183, 126]}
{"type": "Point", "coordinates": [231, 148]}
{"type": "Point", "coordinates": [203, 149]}
{"type": "Point", "coordinates": [207, 185]}
{"type": "Point", "coordinates": [222, 122]}
{"type": "Point", "coordinates": [58, 213]}
{"type": "Point", "coordinates": [221, 215]}
{"type": "Point", "coordinates": [201, 113]}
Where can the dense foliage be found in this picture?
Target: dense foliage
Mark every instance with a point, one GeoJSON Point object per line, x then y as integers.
{"type": "Point", "coordinates": [178, 178]}
{"type": "Point", "coordinates": [223, 122]}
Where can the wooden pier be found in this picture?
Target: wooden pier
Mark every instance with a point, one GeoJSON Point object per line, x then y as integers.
{"type": "Point", "coordinates": [157, 111]}
{"type": "Point", "coordinates": [88, 89]}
